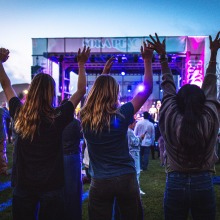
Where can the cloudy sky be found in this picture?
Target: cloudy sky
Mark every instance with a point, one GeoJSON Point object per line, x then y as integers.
{"type": "Point", "coordinates": [22, 20]}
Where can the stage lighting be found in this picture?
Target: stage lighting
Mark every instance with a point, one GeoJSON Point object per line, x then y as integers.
{"type": "Point", "coordinates": [140, 88]}
{"type": "Point", "coordinates": [122, 73]}
{"type": "Point", "coordinates": [124, 59]}
{"type": "Point", "coordinates": [129, 88]}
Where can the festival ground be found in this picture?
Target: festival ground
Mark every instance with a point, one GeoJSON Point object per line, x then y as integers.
{"type": "Point", "coordinates": [152, 183]}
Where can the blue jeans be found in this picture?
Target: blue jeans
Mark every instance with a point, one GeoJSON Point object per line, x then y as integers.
{"type": "Point", "coordinates": [124, 189]}
{"type": "Point", "coordinates": [189, 193]}
{"type": "Point", "coordinates": [73, 187]}
{"type": "Point", "coordinates": [145, 152]}
{"type": "Point", "coordinates": [136, 156]}
{"type": "Point", "coordinates": [28, 205]}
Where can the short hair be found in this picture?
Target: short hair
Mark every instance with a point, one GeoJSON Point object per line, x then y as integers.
{"type": "Point", "coordinates": [146, 115]}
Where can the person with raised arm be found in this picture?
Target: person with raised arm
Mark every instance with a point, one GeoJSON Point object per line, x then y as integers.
{"type": "Point", "coordinates": [105, 124]}
{"type": "Point", "coordinates": [38, 174]}
{"type": "Point", "coordinates": [189, 123]}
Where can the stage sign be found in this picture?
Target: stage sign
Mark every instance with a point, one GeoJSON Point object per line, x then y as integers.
{"type": "Point", "coordinates": [102, 45]}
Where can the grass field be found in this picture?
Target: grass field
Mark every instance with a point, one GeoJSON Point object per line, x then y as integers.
{"type": "Point", "coordinates": [152, 183]}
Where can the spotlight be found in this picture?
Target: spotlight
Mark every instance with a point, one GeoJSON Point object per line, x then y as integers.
{"type": "Point", "coordinates": [124, 58]}
{"type": "Point", "coordinates": [122, 73]}
{"type": "Point", "coordinates": [25, 91]}
{"type": "Point", "coordinates": [140, 88]}
{"type": "Point", "coordinates": [129, 88]}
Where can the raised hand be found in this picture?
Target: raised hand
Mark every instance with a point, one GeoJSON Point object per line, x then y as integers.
{"type": "Point", "coordinates": [108, 66]}
{"type": "Point", "coordinates": [4, 54]}
{"type": "Point", "coordinates": [147, 51]}
{"type": "Point", "coordinates": [82, 57]}
{"type": "Point", "coordinates": [215, 44]}
{"type": "Point", "coordinates": [159, 47]}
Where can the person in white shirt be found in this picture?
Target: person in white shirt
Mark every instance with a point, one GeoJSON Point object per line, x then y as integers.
{"type": "Point", "coordinates": [145, 127]}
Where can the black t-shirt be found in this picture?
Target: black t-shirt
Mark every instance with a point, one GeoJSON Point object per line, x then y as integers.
{"type": "Point", "coordinates": [38, 164]}
{"type": "Point", "coordinates": [71, 137]}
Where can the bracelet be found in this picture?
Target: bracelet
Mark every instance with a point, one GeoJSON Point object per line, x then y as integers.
{"type": "Point", "coordinates": [163, 56]}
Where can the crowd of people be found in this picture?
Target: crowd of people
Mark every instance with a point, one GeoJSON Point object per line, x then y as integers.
{"type": "Point", "coordinates": [5, 138]}
{"type": "Point", "coordinates": [46, 172]}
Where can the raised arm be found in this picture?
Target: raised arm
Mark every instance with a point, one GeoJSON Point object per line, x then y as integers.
{"type": "Point", "coordinates": [140, 98]}
{"type": "Point", "coordinates": [209, 84]}
{"type": "Point", "coordinates": [4, 80]}
{"type": "Point", "coordinates": [82, 58]}
{"type": "Point", "coordinates": [167, 84]}
{"type": "Point", "coordinates": [108, 66]}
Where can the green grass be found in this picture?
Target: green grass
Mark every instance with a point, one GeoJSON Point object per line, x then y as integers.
{"type": "Point", "coordinates": [152, 183]}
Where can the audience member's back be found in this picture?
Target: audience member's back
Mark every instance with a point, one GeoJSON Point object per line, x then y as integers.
{"type": "Point", "coordinates": [189, 123]}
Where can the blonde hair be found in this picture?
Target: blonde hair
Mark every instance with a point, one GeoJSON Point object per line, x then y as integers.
{"type": "Point", "coordinates": [38, 105]}
{"type": "Point", "coordinates": [101, 104]}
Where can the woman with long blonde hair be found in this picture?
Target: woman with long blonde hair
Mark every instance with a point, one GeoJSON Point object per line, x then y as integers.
{"type": "Point", "coordinates": [105, 124]}
{"type": "Point", "coordinates": [38, 173]}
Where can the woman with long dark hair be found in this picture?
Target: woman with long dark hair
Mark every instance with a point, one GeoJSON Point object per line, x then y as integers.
{"type": "Point", "coordinates": [38, 163]}
{"type": "Point", "coordinates": [105, 124]}
{"type": "Point", "coordinates": [189, 123]}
